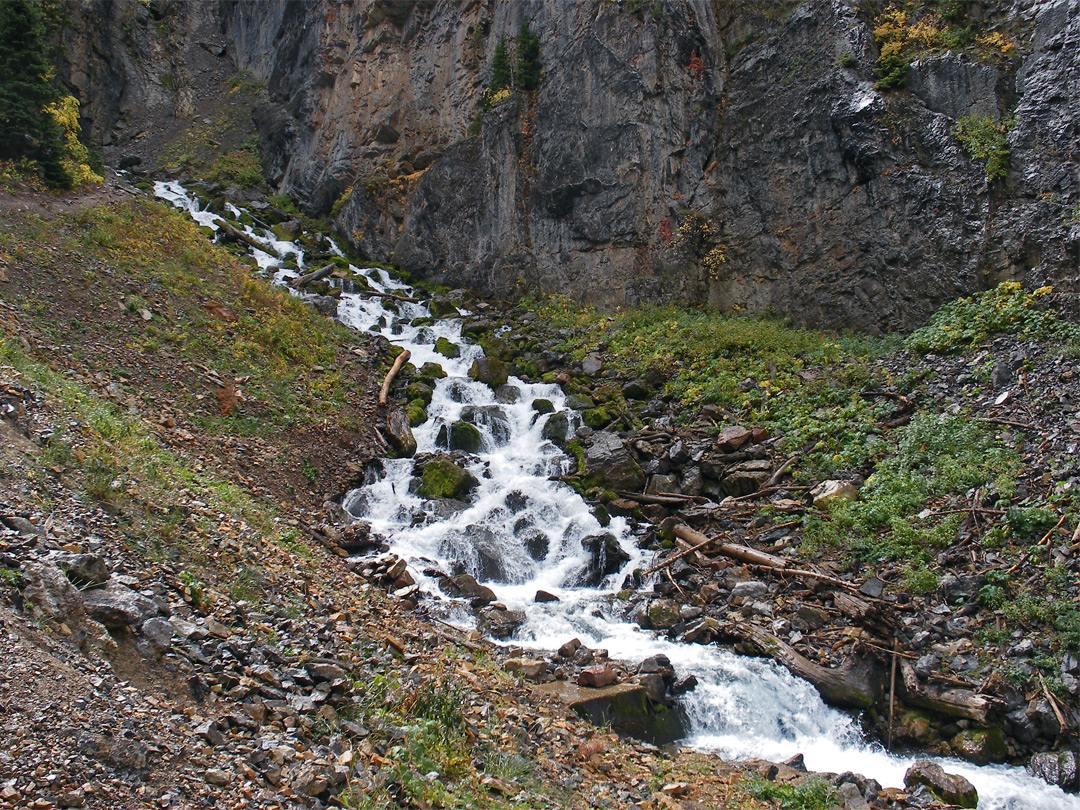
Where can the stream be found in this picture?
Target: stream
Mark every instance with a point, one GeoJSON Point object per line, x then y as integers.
{"type": "Point", "coordinates": [742, 707]}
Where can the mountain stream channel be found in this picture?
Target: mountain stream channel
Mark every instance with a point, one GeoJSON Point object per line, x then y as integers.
{"type": "Point", "coordinates": [741, 708]}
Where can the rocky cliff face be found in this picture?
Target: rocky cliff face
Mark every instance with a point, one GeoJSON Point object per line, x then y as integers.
{"type": "Point", "coordinates": [730, 152]}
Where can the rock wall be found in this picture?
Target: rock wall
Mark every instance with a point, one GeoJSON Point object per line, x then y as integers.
{"type": "Point", "coordinates": [664, 137]}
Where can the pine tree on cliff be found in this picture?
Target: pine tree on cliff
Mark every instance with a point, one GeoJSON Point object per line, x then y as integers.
{"type": "Point", "coordinates": [501, 77]}
{"type": "Point", "coordinates": [26, 130]}
{"type": "Point", "coordinates": [528, 59]}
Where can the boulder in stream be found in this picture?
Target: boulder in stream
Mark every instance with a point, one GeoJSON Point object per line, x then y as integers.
{"type": "Point", "coordinates": [947, 787]}
{"type": "Point", "coordinates": [399, 435]}
{"type": "Point", "coordinates": [498, 622]}
{"type": "Point", "coordinates": [490, 371]}
{"type": "Point", "coordinates": [606, 557]}
{"type": "Point", "coordinates": [442, 478]}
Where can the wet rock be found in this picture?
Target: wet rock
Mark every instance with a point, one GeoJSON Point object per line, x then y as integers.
{"type": "Point", "coordinates": [447, 349]}
{"type": "Point", "coordinates": [477, 594]}
{"type": "Point", "coordinates": [432, 371]}
{"type": "Point", "coordinates": [543, 406]}
{"type": "Point", "coordinates": [1056, 768]}
{"type": "Point", "coordinates": [399, 435]}
{"type": "Point", "coordinates": [557, 428]}
{"type": "Point", "coordinates": [507, 394]}
{"type": "Point", "coordinates": [981, 746]}
{"type": "Point", "coordinates": [419, 390]}
{"type": "Point", "coordinates": [537, 545]}
{"type": "Point", "coordinates": [493, 417]}
{"type": "Point", "coordinates": [747, 477]}
{"type": "Point", "coordinates": [84, 570]}
{"type": "Point", "coordinates": [545, 596]}
{"type": "Point", "coordinates": [568, 649]}
{"type": "Point", "coordinates": [597, 676]}
{"type": "Point", "coordinates": [949, 788]}
{"type": "Point", "coordinates": [442, 307]}
{"type": "Point", "coordinates": [833, 491]}
{"type": "Point", "coordinates": [663, 614]}
{"type": "Point", "coordinates": [490, 371]}
{"type": "Point", "coordinates": [606, 557]}
{"type": "Point", "coordinates": [498, 622]}
{"type": "Point", "coordinates": [608, 458]}
{"type": "Point", "coordinates": [579, 402]}
{"type": "Point", "coordinates": [117, 606]}
{"type": "Point", "coordinates": [464, 436]}
{"type": "Point", "coordinates": [442, 478]}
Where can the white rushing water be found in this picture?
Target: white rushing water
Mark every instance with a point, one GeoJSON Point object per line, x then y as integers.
{"type": "Point", "coordinates": [741, 708]}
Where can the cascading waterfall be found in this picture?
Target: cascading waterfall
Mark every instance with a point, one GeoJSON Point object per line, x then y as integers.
{"type": "Point", "coordinates": [521, 531]}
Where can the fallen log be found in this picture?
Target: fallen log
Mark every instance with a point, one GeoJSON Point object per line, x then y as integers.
{"type": "Point", "coordinates": [954, 702]}
{"type": "Point", "coordinates": [235, 233]}
{"type": "Point", "coordinates": [391, 296]}
{"type": "Point", "coordinates": [399, 361]}
{"type": "Point", "coordinates": [664, 498]}
{"type": "Point", "coordinates": [736, 552]}
{"type": "Point", "coordinates": [857, 684]}
{"type": "Point", "coordinates": [684, 553]}
{"type": "Point", "coordinates": [316, 275]}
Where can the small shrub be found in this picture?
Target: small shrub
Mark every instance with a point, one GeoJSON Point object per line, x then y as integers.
{"type": "Point", "coordinates": [985, 141]}
{"type": "Point", "coordinates": [811, 794]}
{"type": "Point", "coordinates": [846, 60]}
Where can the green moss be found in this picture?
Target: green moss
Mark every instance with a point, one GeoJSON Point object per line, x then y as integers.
{"type": "Point", "coordinates": [442, 478]}
{"type": "Point", "coordinates": [416, 413]}
{"type": "Point", "coordinates": [447, 349]}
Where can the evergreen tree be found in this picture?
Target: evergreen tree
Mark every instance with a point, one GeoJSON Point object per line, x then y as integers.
{"type": "Point", "coordinates": [26, 130]}
{"type": "Point", "coordinates": [501, 77]}
{"type": "Point", "coordinates": [528, 59]}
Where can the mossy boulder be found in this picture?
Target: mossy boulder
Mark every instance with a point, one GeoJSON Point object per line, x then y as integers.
{"type": "Point", "coordinates": [494, 346]}
{"type": "Point", "coordinates": [416, 412]}
{"type": "Point", "coordinates": [461, 436]}
{"type": "Point", "coordinates": [981, 746]}
{"type": "Point", "coordinates": [542, 406]}
{"type": "Point", "coordinates": [489, 370]}
{"type": "Point", "coordinates": [580, 402]}
{"type": "Point", "coordinates": [433, 371]}
{"type": "Point", "coordinates": [447, 349]}
{"type": "Point", "coordinates": [598, 418]}
{"type": "Point", "coordinates": [422, 322]}
{"type": "Point", "coordinates": [442, 478]}
{"type": "Point", "coordinates": [419, 391]}
{"type": "Point", "coordinates": [442, 308]}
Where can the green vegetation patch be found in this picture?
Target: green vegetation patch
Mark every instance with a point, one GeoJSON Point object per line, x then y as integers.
{"type": "Point", "coordinates": [808, 387]}
{"type": "Point", "coordinates": [1008, 308]}
{"type": "Point", "coordinates": [810, 794]}
{"type": "Point", "coordinates": [985, 141]}
{"type": "Point", "coordinates": [936, 456]}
